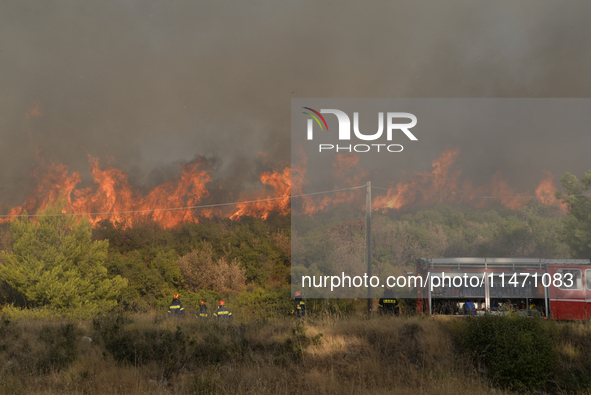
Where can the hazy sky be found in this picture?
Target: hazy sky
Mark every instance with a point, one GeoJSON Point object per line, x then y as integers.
{"type": "Point", "coordinates": [155, 83]}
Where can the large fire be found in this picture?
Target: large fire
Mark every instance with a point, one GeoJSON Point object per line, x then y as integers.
{"type": "Point", "coordinates": [113, 197]}
{"type": "Point", "coordinates": [443, 184]}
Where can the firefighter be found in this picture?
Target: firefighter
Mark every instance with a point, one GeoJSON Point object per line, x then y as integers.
{"type": "Point", "coordinates": [202, 314]}
{"type": "Point", "coordinates": [176, 308]}
{"type": "Point", "coordinates": [533, 310]}
{"type": "Point", "coordinates": [388, 304]}
{"type": "Point", "coordinates": [222, 314]}
{"type": "Point", "coordinates": [300, 306]}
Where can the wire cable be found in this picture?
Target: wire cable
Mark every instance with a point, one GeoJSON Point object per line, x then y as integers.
{"type": "Point", "coordinates": [277, 198]}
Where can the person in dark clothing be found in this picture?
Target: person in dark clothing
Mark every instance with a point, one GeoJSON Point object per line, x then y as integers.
{"type": "Point", "coordinates": [222, 314]}
{"type": "Point", "coordinates": [494, 305]}
{"type": "Point", "coordinates": [469, 308]}
{"type": "Point", "coordinates": [300, 306]}
{"type": "Point", "coordinates": [203, 313]}
{"type": "Point", "coordinates": [176, 309]}
{"type": "Point", "coordinates": [388, 304]}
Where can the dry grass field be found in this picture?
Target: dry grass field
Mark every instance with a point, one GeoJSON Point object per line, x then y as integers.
{"type": "Point", "coordinates": [149, 354]}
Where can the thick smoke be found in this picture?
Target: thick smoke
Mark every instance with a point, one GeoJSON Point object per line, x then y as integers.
{"type": "Point", "coordinates": [153, 84]}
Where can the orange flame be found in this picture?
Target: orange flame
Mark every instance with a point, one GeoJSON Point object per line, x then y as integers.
{"type": "Point", "coordinates": [112, 197]}
{"type": "Point", "coordinates": [442, 184]}
{"type": "Point", "coordinates": [281, 183]}
{"type": "Point", "coordinates": [438, 185]}
{"type": "Point", "coordinates": [347, 172]}
{"type": "Point", "coordinates": [546, 190]}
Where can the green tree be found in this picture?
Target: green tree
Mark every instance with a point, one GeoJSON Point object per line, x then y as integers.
{"type": "Point", "coordinates": [55, 263]}
{"type": "Point", "coordinates": [577, 224]}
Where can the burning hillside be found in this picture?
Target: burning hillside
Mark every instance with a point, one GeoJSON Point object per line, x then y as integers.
{"type": "Point", "coordinates": [443, 184]}
{"type": "Point", "coordinates": [113, 197]}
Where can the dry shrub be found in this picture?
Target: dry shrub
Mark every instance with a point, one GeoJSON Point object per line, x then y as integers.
{"type": "Point", "coordinates": [201, 271]}
{"type": "Point", "coordinates": [385, 355]}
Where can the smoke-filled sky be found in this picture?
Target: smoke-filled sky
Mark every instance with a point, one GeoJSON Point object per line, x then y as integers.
{"type": "Point", "coordinates": [153, 84]}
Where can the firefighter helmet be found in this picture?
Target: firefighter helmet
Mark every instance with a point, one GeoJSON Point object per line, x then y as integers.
{"type": "Point", "coordinates": [222, 303]}
{"type": "Point", "coordinates": [176, 296]}
{"type": "Point", "coordinates": [202, 303]}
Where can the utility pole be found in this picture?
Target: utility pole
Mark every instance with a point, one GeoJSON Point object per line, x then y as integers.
{"type": "Point", "coordinates": [368, 245]}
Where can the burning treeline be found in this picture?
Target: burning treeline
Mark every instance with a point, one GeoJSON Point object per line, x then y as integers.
{"type": "Point", "coordinates": [443, 184]}
{"type": "Point", "coordinates": [113, 197]}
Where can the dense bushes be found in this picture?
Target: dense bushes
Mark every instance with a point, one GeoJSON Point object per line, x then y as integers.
{"type": "Point", "coordinates": [518, 353]}
{"type": "Point", "coordinates": [323, 246]}
{"type": "Point", "coordinates": [216, 255]}
{"type": "Point", "coordinates": [261, 247]}
{"type": "Point", "coordinates": [61, 347]}
{"type": "Point", "coordinates": [527, 354]}
{"type": "Point", "coordinates": [50, 348]}
{"type": "Point", "coordinates": [256, 254]}
{"type": "Point", "coordinates": [151, 258]}
{"type": "Point", "coordinates": [165, 347]}
{"type": "Point", "coordinates": [194, 343]}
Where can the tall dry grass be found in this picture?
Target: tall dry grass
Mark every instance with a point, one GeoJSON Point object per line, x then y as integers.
{"type": "Point", "coordinates": [384, 355]}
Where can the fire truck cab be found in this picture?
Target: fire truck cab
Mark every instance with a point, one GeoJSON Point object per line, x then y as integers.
{"type": "Point", "coordinates": [571, 301]}
{"type": "Point", "coordinates": [553, 288]}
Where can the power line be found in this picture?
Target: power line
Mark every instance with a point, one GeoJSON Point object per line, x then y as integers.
{"type": "Point", "coordinates": [278, 198]}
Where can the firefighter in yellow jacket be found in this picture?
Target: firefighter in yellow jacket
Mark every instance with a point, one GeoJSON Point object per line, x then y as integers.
{"type": "Point", "coordinates": [176, 308]}
{"type": "Point", "coordinates": [222, 314]}
{"type": "Point", "coordinates": [300, 306]}
{"type": "Point", "coordinates": [388, 304]}
{"type": "Point", "coordinates": [202, 314]}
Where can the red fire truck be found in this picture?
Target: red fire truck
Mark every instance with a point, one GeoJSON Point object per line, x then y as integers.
{"type": "Point", "coordinates": [556, 288]}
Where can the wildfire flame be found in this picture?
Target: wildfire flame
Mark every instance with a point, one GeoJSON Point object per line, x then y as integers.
{"type": "Point", "coordinates": [281, 183]}
{"type": "Point", "coordinates": [546, 190]}
{"type": "Point", "coordinates": [349, 173]}
{"type": "Point", "coordinates": [443, 184]}
{"type": "Point", "coordinates": [113, 197]}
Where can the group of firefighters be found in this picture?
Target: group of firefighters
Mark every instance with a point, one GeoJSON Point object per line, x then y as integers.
{"type": "Point", "coordinates": [387, 305]}
{"type": "Point", "coordinates": [222, 314]}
